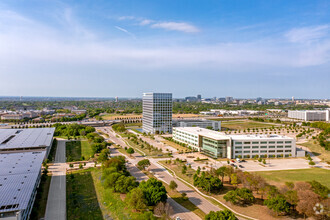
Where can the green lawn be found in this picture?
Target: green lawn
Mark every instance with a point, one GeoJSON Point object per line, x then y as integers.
{"type": "Point", "coordinates": [39, 206]}
{"type": "Point", "coordinates": [241, 125]}
{"type": "Point", "coordinates": [86, 150]}
{"type": "Point", "coordinates": [282, 176]}
{"type": "Point", "coordinates": [75, 150]}
{"type": "Point", "coordinates": [81, 197]}
{"type": "Point", "coordinates": [317, 150]}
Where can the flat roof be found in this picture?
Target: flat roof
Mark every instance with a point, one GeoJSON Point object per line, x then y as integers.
{"type": "Point", "coordinates": [258, 137]}
{"type": "Point", "coordinates": [18, 175]}
{"type": "Point", "coordinates": [26, 138]}
{"type": "Point", "coordinates": [204, 132]}
{"type": "Point", "coordinates": [222, 136]}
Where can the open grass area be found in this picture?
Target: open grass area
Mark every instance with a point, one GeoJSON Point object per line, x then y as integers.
{"type": "Point", "coordinates": [282, 176]}
{"type": "Point", "coordinates": [75, 150]}
{"type": "Point", "coordinates": [86, 150]}
{"type": "Point", "coordinates": [244, 124]}
{"type": "Point", "coordinates": [39, 206]}
{"type": "Point", "coordinates": [81, 197]}
{"type": "Point", "coordinates": [111, 203]}
{"type": "Point", "coordinates": [317, 150]}
{"type": "Point", "coordinates": [175, 145]}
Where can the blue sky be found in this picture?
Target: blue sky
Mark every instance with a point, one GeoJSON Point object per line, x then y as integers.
{"type": "Point", "coordinates": [123, 48]}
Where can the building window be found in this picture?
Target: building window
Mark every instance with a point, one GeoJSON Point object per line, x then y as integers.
{"type": "Point", "coordinates": [263, 142]}
{"type": "Point", "coordinates": [280, 142]}
{"type": "Point", "coordinates": [263, 147]}
{"type": "Point", "coordinates": [255, 142]}
{"type": "Point", "coordinates": [238, 142]}
{"type": "Point", "coordinates": [263, 151]}
{"type": "Point", "coordinates": [279, 146]}
{"type": "Point", "coordinates": [247, 142]}
{"type": "Point", "coordinates": [246, 151]}
{"type": "Point", "coordinates": [247, 147]}
{"type": "Point", "coordinates": [272, 151]}
{"type": "Point", "coordinates": [288, 142]}
{"type": "Point", "coordinates": [255, 151]}
{"type": "Point", "coordinates": [271, 142]}
{"type": "Point", "coordinates": [288, 146]}
{"type": "Point", "coordinates": [288, 151]}
{"type": "Point", "coordinates": [238, 147]}
{"type": "Point", "coordinates": [279, 151]}
{"type": "Point", "coordinates": [271, 146]}
{"type": "Point", "coordinates": [238, 152]}
{"type": "Point", "coordinates": [255, 147]}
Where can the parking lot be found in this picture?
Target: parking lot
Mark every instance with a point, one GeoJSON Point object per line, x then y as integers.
{"type": "Point", "coordinates": [247, 165]}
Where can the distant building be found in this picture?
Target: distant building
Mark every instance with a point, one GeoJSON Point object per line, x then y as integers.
{"type": "Point", "coordinates": [202, 123]}
{"type": "Point", "coordinates": [310, 115]}
{"type": "Point", "coordinates": [219, 145]}
{"type": "Point", "coordinates": [157, 113]}
{"type": "Point", "coordinates": [79, 111]}
{"type": "Point", "coordinates": [191, 99]}
{"type": "Point", "coordinates": [229, 99]}
{"type": "Point", "coordinates": [116, 98]}
{"type": "Point", "coordinates": [199, 97]}
{"type": "Point", "coordinates": [12, 117]}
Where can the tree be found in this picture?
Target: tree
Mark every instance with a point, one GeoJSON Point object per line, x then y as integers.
{"type": "Point", "coordinates": [198, 170]}
{"type": "Point", "coordinates": [184, 169]}
{"type": "Point", "coordinates": [221, 172]}
{"type": "Point", "coordinates": [142, 164]}
{"type": "Point", "coordinates": [104, 155]}
{"type": "Point", "coordinates": [221, 215]}
{"type": "Point", "coordinates": [135, 199]}
{"type": "Point", "coordinates": [278, 204]}
{"type": "Point", "coordinates": [163, 209]}
{"type": "Point", "coordinates": [234, 180]}
{"type": "Point", "coordinates": [130, 151]}
{"type": "Point", "coordinates": [173, 185]}
{"type": "Point", "coordinates": [154, 191]}
{"type": "Point", "coordinates": [239, 196]}
{"type": "Point", "coordinates": [320, 189]}
{"type": "Point", "coordinates": [307, 201]}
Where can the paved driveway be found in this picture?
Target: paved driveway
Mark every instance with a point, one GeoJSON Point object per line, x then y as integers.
{"type": "Point", "coordinates": [56, 203]}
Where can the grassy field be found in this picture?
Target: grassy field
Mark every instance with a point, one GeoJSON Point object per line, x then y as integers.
{"type": "Point", "coordinates": [175, 145]}
{"type": "Point", "coordinates": [111, 203]}
{"type": "Point", "coordinates": [317, 150]}
{"type": "Point", "coordinates": [241, 125]}
{"type": "Point", "coordinates": [81, 197]}
{"type": "Point", "coordinates": [39, 206]}
{"type": "Point", "coordinates": [86, 150]}
{"type": "Point", "coordinates": [75, 150]}
{"type": "Point", "coordinates": [282, 176]}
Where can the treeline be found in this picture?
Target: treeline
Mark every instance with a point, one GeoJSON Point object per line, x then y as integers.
{"type": "Point", "coordinates": [72, 130]}
{"type": "Point", "coordinates": [324, 135]}
{"type": "Point", "coordinates": [143, 197]}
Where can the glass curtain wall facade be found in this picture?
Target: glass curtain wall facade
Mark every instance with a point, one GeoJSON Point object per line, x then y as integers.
{"type": "Point", "coordinates": [214, 148]}
{"type": "Point", "coordinates": [157, 113]}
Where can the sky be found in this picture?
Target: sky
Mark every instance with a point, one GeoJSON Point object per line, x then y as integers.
{"type": "Point", "coordinates": [92, 48]}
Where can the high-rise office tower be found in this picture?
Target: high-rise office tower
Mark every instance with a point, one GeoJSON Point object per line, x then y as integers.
{"type": "Point", "coordinates": [157, 113]}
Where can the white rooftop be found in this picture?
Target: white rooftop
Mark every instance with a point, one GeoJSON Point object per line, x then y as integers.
{"type": "Point", "coordinates": [18, 176]}
{"type": "Point", "coordinates": [26, 138]}
{"type": "Point", "coordinates": [204, 132]}
{"type": "Point", "coordinates": [216, 135]}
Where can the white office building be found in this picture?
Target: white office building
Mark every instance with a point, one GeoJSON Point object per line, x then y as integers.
{"type": "Point", "coordinates": [220, 145]}
{"type": "Point", "coordinates": [310, 115]}
{"type": "Point", "coordinates": [157, 113]}
{"type": "Point", "coordinates": [202, 123]}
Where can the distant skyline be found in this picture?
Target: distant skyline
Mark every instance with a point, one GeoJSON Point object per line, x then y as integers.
{"type": "Point", "coordinates": [123, 48]}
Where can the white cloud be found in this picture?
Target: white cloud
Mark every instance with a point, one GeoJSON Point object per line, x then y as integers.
{"type": "Point", "coordinates": [121, 18]}
{"type": "Point", "coordinates": [307, 34]}
{"type": "Point", "coordinates": [146, 22]}
{"type": "Point", "coordinates": [176, 26]}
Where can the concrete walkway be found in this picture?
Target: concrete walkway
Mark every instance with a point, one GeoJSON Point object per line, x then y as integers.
{"type": "Point", "coordinates": [56, 203]}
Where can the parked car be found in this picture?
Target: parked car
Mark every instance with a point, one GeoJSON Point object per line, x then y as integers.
{"type": "Point", "coordinates": [233, 161]}
{"type": "Point", "coordinates": [240, 166]}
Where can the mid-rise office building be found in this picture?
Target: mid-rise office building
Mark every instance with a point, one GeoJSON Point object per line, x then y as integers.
{"type": "Point", "coordinates": [220, 145]}
{"type": "Point", "coordinates": [310, 115]}
{"type": "Point", "coordinates": [22, 152]}
{"type": "Point", "coordinates": [202, 123]}
{"type": "Point", "coordinates": [157, 113]}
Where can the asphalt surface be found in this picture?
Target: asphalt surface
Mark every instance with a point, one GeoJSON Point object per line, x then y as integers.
{"type": "Point", "coordinates": [56, 203]}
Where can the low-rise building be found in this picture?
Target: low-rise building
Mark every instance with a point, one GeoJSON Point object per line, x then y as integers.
{"type": "Point", "coordinates": [220, 145]}
{"type": "Point", "coordinates": [310, 115]}
{"type": "Point", "coordinates": [22, 152]}
{"type": "Point", "coordinates": [202, 123]}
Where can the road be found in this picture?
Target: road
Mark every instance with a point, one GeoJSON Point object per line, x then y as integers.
{"type": "Point", "coordinates": [56, 203]}
{"type": "Point", "coordinates": [162, 174]}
